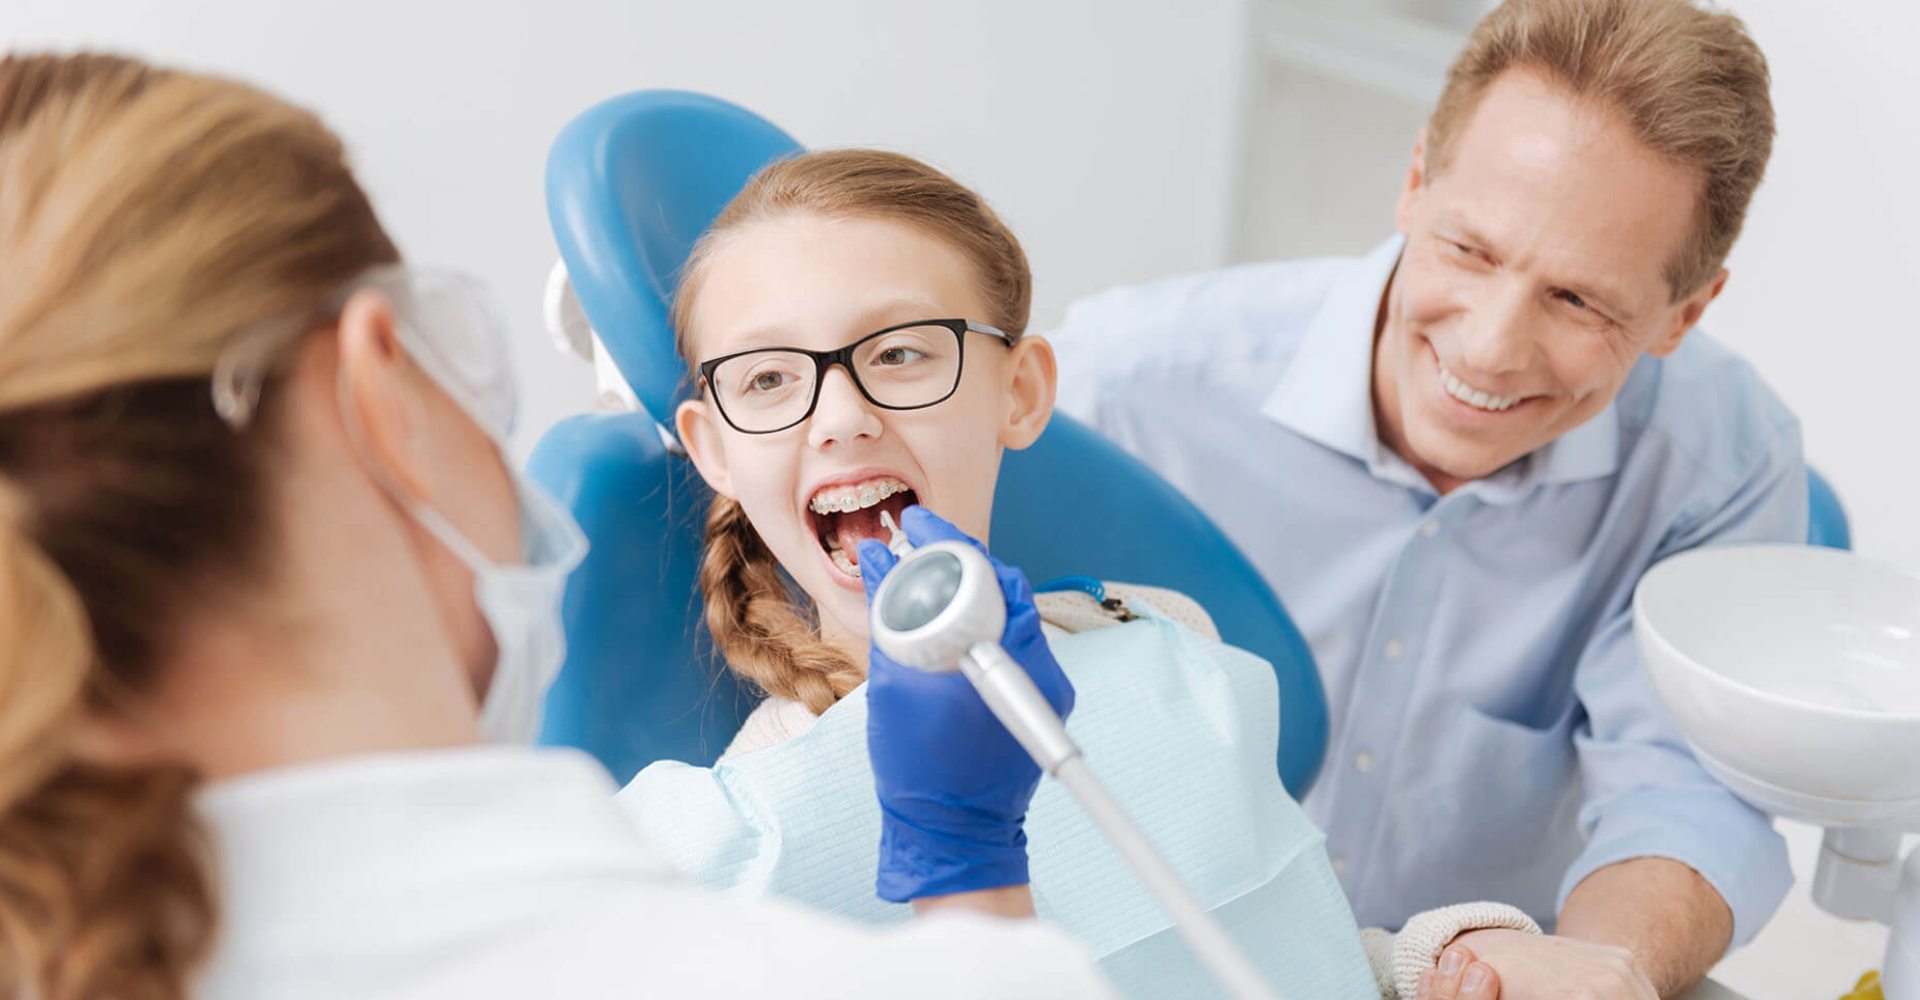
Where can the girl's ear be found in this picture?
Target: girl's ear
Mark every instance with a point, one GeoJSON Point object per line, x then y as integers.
{"type": "Point", "coordinates": [699, 430]}
{"type": "Point", "coordinates": [1032, 378]}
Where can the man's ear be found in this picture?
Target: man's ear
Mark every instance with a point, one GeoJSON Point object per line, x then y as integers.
{"type": "Point", "coordinates": [380, 395]}
{"type": "Point", "coordinates": [699, 429]}
{"type": "Point", "coordinates": [1416, 184]}
{"type": "Point", "coordinates": [1032, 377]}
{"type": "Point", "coordinates": [1688, 316]}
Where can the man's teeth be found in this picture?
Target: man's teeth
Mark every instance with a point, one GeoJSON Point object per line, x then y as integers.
{"type": "Point", "coordinates": [847, 499]}
{"type": "Point", "coordinates": [1474, 397]}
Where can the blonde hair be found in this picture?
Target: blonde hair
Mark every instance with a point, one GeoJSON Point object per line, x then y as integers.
{"type": "Point", "coordinates": [1690, 81]}
{"type": "Point", "coordinates": [147, 220]}
{"type": "Point", "coordinates": [756, 621]}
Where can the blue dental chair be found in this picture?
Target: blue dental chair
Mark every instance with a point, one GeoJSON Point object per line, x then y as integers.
{"type": "Point", "coordinates": [631, 183]}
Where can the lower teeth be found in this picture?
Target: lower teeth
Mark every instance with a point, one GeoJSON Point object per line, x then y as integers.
{"type": "Point", "coordinates": [846, 565]}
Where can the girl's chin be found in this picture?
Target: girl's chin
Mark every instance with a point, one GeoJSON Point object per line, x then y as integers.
{"type": "Point", "coordinates": [843, 614]}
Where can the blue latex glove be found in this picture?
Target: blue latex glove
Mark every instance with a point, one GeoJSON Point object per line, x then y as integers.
{"type": "Point", "coordinates": [954, 785]}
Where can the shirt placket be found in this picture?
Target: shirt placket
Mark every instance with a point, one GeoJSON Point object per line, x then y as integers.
{"type": "Point", "coordinates": [1381, 700]}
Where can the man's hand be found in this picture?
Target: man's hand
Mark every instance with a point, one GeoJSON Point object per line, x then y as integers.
{"type": "Point", "coordinates": [1543, 967]}
{"type": "Point", "coordinates": [1457, 976]}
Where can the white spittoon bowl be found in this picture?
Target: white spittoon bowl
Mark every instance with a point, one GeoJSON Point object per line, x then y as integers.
{"type": "Point", "coordinates": [1795, 668]}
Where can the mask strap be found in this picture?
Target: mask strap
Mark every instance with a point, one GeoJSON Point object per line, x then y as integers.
{"type": "Point", "coordinates": [462, 548]}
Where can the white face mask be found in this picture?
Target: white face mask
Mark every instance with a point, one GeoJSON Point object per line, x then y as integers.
{"type": "Point", "coordinates": [521, 605]}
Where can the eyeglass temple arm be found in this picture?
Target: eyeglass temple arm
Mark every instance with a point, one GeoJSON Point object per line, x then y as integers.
{"type": "Point", "coordinates": [991, 331]}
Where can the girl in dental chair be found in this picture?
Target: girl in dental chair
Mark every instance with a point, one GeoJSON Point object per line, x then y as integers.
{"type": "Point", "coordinates": [855, 322]}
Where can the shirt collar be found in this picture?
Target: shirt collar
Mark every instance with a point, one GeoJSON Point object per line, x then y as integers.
{"type": "Point", "coordinates": [1326, 394]}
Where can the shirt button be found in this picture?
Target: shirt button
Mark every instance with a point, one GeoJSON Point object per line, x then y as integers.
{"type": "Point", "coordinates": [1340, 866]}
{"type": "Point", "coordinates": [1393, 650]}
{"type": "Point", "coordinates": [1363, 762]}
{"type": "Point", "coordinates": [1430, 527]}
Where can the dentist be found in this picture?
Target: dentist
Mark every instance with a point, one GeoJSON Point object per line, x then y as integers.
{"type": "Point", "coordinates": [1454, 457]}
{"type": "Point", "coordinates": [266, 583]}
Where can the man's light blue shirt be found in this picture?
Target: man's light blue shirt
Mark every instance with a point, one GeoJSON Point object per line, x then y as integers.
{"type": "Point", "coordinates": [1493, 734]}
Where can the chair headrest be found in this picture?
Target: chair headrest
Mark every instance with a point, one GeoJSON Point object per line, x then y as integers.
{"type": "Point", "coordinates": [631, 184]}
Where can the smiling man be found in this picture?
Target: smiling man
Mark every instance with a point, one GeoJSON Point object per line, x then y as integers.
{"type": "Point", "coordinates": [1454, 458]}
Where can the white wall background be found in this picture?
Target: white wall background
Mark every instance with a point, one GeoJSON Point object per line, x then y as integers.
{"type": "Point", "coordinates": [1122, 141]}
{"type": "Point", "coordinates": [1823, 274]}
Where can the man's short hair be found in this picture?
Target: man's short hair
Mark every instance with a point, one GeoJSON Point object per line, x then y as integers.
{"type": "Point", "coordinates": [1690, 81]}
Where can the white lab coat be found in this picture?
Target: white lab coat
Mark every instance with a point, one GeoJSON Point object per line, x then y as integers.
{"type": "Point", "coordinates": [502, 872]}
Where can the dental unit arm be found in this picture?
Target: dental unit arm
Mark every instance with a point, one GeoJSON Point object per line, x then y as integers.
{"type": "Point", "coordinates": [941, 609]}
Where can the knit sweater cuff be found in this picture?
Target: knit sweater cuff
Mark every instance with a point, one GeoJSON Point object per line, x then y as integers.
{"type": "Point", "coordinates": [1419, 944]}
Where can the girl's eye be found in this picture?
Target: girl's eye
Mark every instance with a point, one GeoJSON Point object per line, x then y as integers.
{"type": "Point", "coordinates": [770, 380]}
{"type": "Point", "coordinates": [894, 356]}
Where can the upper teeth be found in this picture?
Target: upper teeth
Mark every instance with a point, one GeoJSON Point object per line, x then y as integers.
{"type": "Point", "coordinates": [847, 499]}
{"type": "Point", "coordinates": [1474, 397]}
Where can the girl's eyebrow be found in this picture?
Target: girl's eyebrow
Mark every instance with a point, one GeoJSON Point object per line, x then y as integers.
{"type": "Point", "coordinates": [768, 335]}
{"type": "Point", "coordinates": [905, 308]}
{"type": "Point", "coordinates": [901, 309]}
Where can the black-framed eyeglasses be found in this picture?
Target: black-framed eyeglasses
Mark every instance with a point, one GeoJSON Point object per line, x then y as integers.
{"type": "Point", "coordinates": [906, 367]}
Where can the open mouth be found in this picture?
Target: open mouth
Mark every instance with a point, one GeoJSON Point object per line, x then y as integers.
{"type": "Point", "coordinates": [844, 514]}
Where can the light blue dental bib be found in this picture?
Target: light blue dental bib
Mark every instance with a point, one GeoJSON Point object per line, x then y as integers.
{"type": "Point", "coordinates": [1181, 729]}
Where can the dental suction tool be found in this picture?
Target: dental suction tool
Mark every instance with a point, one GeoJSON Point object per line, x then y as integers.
{"type": "Point", "coordinates": [940, 610]}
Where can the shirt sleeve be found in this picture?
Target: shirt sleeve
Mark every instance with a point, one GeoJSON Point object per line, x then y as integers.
{"type": "Point", "coordinates": [1645, 795]}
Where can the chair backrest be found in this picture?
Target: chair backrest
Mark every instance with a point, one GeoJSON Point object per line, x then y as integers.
{"type": "Point", "coordinates": [1076, 504]}
{"type": "Point", "coordinates": [640, 682]}
{"type": "Point", "coordinates": [631, 184]}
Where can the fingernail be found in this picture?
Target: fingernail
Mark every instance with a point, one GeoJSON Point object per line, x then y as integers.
{"type": "Point", "coordinates": [1476, 977]}
{"type": "Point", "coordinates": [1451, 962]}
{"type": "Point", "coordinates": [1426, 984]}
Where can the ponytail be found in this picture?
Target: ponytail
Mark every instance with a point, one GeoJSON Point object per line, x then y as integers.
{"type": "Point", "coordinates": [104, 890]}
